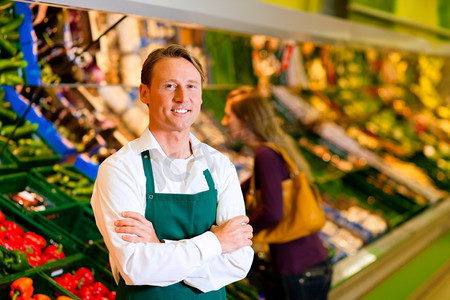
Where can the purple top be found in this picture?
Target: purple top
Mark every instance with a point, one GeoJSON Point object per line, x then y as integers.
{"type": "Point", "coordinates": [295, 256]}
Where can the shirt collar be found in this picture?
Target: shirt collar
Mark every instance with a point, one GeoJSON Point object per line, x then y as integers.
{"type": "Point", "coordinates": [148, 142]}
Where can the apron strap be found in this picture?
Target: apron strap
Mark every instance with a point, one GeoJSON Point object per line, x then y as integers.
{"type": "Point", "coordinates": [209, 179]}
{"type": "Point", "coordinates": [150, 183]}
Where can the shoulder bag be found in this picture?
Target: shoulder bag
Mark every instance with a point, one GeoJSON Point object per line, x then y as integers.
{"type": "Point", "coordinates": [302, 206]}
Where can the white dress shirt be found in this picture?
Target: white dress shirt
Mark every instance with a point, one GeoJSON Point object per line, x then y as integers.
{"type": "Point", "coordinates": [199, 262]}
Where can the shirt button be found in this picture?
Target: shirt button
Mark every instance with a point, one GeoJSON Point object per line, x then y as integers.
{"type": "Point", "coordinates": [150, 196]}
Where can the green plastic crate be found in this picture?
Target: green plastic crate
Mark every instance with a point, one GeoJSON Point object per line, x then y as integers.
{"type": "Point", "coordinates": [17, 182]}
{"type": "Point", "coordinates": [7, 165]}
{"type": "Point", "coordinates": [100, 273]}
{"type": "Point", "coordinates": [42, 284]}
{"type": "Point", "coordinates": [100, 252]}
{"type": "Point", "coordinates": [26, 163]}
{"type": "Point", "coordinates": [74, 224]}
{"type": "Point", "coordinates": [42, 173]}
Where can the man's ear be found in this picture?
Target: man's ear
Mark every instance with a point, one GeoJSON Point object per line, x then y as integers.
{"type": "Point", "coordinates": [144, 93]}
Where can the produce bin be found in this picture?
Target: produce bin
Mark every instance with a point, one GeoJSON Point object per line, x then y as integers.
{"type": "Point", "coordinates": [67, 180]}
{"type": "Point", "coordinates": [74, 224]}
{"type": "Point", "coordinates": [29, 225]}
{"type": "Point", "coordinates": [18, 182]}
{"type": "Point", "coordinates": [42, 284]}
{"type": "Point", "coordinates": [99, 273]}
{"type": "Point", "coordinates": [100, 252]}
{"type": "Point", "coordinates": [26, 163]}
{"type": "Point", "coordinates": [389, 194]}
{"type": "Point", "coordinates": [7, 165]}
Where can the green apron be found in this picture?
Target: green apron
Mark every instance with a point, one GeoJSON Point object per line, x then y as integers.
{"type": "Point", "coordinates": [175, 217]}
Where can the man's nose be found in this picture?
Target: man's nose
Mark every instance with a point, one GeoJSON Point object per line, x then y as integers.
{"type": "Point", "coordinates": [179, 94]}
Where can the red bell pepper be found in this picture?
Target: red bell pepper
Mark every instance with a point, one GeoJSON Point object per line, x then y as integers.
{"type": "Point", "coordinates": [11, 226]}
{"type": "Point", "coordinates": [30, 248]}
{"type": "Point", "coordinates": [22, 289]}
{"type": "Point", "coordinates": [35, 238]}
{"type": "Point", "coordinates": [64, 298]}
{"type": "Point", "coordinates": [99, 288]}
{"type": "Point", "coordinates": [98, 297]}
{"type": "Point", "coordinates": [85, 276]}
{"type": "Point", "coordinates": [15, 239]}
{"type": "Point", "coordinates": [54, 252]}
{"type": "Point", "coordinates": [2, 217]}
{"type": "Point", "coordinates": [33, 251]}
{"type": "Point", "coordinates": [35, 260]}
{"type": "Point", "coordinates": [41, 297]}
{"type": "Point", "coordinates": [84, 293]}
{"type": "Point", "coordinates": [67, 281]}
{"type": "Point", "coordinates": [111, 295]}
{"type": "Point", "coordinates": [9, 245]}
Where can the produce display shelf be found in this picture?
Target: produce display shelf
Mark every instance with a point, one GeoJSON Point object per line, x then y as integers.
{"type": "Point", "coordinates": [45, 172]}
{"type": "Point", "coordinates": [17, 182]}
{"type": "Point", "coordinates": [42, 284]}
{"type": "Point", "coordinates": [29, 225]}
{"type": "Point", "coordinates": [354, 276]}
{"type": "Point", "coordinates": [74, 224]}
{"type": "Point", "coordinates": [7, 165]}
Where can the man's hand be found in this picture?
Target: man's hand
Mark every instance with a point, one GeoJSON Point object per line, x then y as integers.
{"type": "Point", "coordinates": [136, 227]}
{"type": "Point", "coordinates": [234, 234]}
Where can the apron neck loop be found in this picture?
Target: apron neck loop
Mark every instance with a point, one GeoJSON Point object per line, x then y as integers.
{"type": "Point", "coordinates": [150, 183]}
{"type": "Point", "coordinates": [209, 179]}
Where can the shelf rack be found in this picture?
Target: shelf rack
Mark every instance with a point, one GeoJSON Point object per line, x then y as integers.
{"type": "Point", "coordinates": [270, 20]}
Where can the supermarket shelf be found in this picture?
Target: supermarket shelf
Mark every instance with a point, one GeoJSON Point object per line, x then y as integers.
{"type": "Point", "coordinates": [127, 86]}
{"type": "Point", "coordinates": [398, 20]}
{"type": "Point", "coordinates": [271, 20]}
{"type": "Point", "coordinates": [356, 275]}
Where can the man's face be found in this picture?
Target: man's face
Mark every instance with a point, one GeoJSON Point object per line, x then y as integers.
{"type": "Point", "coordinates": [174, 97]}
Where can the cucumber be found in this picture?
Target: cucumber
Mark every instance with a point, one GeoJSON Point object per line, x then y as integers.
{"type": "Point", "coordinates": [7, 114]}
{"type": "Point", "coordinates": [25, 130]}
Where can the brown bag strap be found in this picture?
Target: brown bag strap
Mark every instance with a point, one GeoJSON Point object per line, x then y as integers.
{"type": "Point", "coordinates": [292, 167]}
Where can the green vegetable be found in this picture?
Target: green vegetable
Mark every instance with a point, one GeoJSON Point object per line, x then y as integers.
{"type": "Point", "coordinates": [10, 78]}
{"type": "Point", "coordinates": [6, 4]}
{"type": "Point", "coordinates": [8, 114]}
{"type": "Point", "coordinates": [5, 19]}
{"type": "Point", "coordinates": [64, 171]}
{"type": "Point", "coordinates": [25, 130]}
{"type": "Point", "coordinates": [83, 191]}
{"type": "Point", "coordinates": [2, 94]}
{"type": "Point", "coordinates": [8, 46]}
{"type": "Point", "coordinates": [7, 63]}
{"type": "Point", "coordinates": [16, 261]}
{"type": "Point", "coordinates": [12, 25]}
{"type": "Point", "coordinates": [12, 36]}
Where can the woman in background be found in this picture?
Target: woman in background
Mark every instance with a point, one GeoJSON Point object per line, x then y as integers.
{"type": "Point", "coordinates": [302, 266]}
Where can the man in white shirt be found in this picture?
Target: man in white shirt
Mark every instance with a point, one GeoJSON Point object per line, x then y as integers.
{"type": "Point", "coordinates": [170, 208]}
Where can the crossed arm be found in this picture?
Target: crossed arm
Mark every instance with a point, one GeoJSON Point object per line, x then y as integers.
{"type": "Point", "coordinates": [232, 235]}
